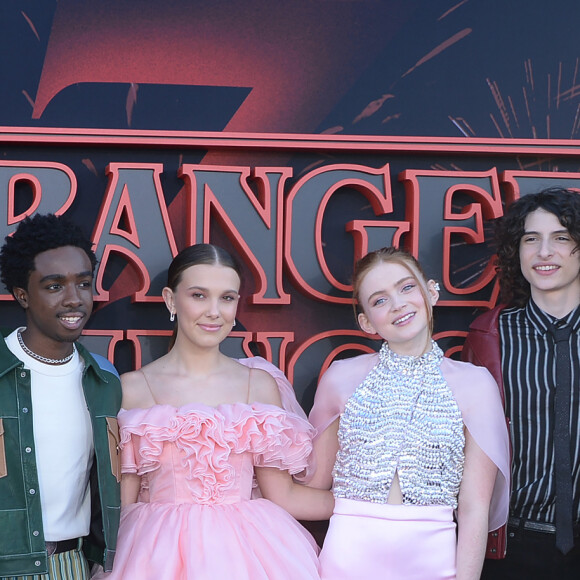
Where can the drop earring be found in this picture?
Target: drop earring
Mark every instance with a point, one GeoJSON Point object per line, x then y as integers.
{"type": "Point", "coordinates": [234, 323]}
{"type": "Point", "coordinates": [172, 317]}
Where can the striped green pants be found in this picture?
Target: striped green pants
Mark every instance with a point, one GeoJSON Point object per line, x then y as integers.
{"type": "Point", "coordinates": [70, 565]}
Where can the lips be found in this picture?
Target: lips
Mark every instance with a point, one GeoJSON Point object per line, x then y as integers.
{"type": "Point", "coordinates": [210, 327]}
{"type": "Point", "coordinates": [404, 319]}
{"type": "Point", "coordinates": [546, 268]}
{"type": "Point", "coordinates": [72, 320]}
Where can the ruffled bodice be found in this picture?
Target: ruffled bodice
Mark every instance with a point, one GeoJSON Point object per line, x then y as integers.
{"type": "Point", "coordinates": [206, 455]}
{"type": "Point", "coordinates": [193, 522]}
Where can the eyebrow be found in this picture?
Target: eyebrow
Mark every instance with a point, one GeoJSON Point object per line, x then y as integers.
{"type": "Point", "coordinates": [562, 231]}
{"type": "Point", "coordinates": [56, 277]}
{"type": "Point", "coordinates": [397, 284]}
{"type": "Point", "coordinates": [207, 289]}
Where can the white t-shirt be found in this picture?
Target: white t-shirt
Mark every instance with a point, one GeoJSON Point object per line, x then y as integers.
{"type": "Point", "coordinates": [63, 443]}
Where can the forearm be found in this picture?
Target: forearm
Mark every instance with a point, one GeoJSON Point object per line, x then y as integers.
{"type": "Point", "coordinates": [325, 450]}
{"type": "Point", "coordinates": [475, 492]}
{"type": "Point", "coordinates": [130, 485]}
{"type": "Point", "coordinates": [308, 503]}
{"type": "Point", "coordinates": [300, 501]}
{"type": "Point", "coordinates": [471, 544]}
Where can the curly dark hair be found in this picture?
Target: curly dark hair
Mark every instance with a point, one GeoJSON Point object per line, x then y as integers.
{"type": "Point", "coordinates": [563, 203]}
{"type": "Point", "coordinates": [33, 236]}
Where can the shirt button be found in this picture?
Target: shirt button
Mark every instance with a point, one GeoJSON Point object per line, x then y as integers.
{"type": "Point", "coordinates": [31, 491]}
{"type": "Point", "coordinates": [35, 533]}
{"type": "Point", "coordinates": [25, 409]}
{"type": "Point", "coordinates": [22, 374]}
{"type": "Point", "coordinates": [28, 449]}
{"type": "Point", "coordinates": [37, 563]}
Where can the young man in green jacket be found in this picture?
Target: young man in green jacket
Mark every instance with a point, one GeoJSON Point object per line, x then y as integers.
{"type": "Point", "coordinates": [59, 468]}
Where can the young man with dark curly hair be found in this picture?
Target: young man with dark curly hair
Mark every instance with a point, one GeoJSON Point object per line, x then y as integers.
{"type": "Point", "coordinates": [59, 477]}
{"type": "Point", "coordinates": [531, 344]}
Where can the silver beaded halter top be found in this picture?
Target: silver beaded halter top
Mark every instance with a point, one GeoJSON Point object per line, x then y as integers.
{"type": "Point", "coordinates": [401, 419]}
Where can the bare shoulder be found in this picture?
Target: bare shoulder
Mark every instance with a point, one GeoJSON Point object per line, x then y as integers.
{"type": "Point", "coordinates": [263, 388]}
{"type": "Point", "coordinates": [136, 392]}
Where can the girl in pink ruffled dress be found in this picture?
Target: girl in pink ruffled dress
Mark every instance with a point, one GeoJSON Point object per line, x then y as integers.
{"type": "Point", "coordinates": [196, 427]}
{"type": "Point", "coordinates": [414, 444]}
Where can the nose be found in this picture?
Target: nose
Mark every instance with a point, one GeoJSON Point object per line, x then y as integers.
{"type": "Point", "coordinates": [397, 301]}
{"type": "Point", "coordinates": [72, 296]}
{"type": "Point", "coordinates": [545, 248]}
{"type": "Point", "coordinates": [212, 309]}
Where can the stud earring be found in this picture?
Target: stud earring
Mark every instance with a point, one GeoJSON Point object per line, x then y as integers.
{"type": "Point", "coordinates": [172, 317]}
{"type": "Point", "coordinates": [436, 286]}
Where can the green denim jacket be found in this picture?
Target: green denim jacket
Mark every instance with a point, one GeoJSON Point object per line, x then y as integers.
{"type": "Point", "coordinates": [22, 547]}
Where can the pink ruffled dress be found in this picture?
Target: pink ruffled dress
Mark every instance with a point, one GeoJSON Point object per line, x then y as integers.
{"type": "Point", "coordinates": [200, 521]}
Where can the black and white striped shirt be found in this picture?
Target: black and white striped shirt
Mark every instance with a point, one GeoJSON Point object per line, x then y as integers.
{"type": "Point", "coordinates": [529, 373]}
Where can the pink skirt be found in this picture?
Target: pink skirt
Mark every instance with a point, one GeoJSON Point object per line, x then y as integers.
{"type": "Point", "coordinates": [394, 542]}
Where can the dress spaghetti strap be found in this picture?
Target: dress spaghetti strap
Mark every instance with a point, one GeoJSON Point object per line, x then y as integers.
{"type": "Point", "coordinates": [148, 386]}
{"type": "Point", "coordinates": [249, 381]}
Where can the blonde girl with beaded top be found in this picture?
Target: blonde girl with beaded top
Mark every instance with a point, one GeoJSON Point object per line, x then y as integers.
{"type": "Point", "coordinates": [413, 444]}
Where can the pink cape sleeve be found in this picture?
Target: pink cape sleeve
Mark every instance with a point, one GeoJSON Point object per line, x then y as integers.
{"type": "Point", "coordinates": [478, 397]}
{"type": "Point", "coordinates": [336, 386]}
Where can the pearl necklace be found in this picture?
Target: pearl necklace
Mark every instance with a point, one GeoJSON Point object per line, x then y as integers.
{"type": "Point", "coordinates": [50, 361]}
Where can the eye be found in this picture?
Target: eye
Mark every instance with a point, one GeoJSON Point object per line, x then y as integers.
{"type": "Point", "coordinates": [198, 295]}
{"type": "Point", "coordinates": [230, 298]}
{"type": "Point", "coordinates": [408, 287]}
{"type": "Point", "coordinates": [563, 238]}
{"type": "Point", "coordinates": [380, 301]}
{"type": "Point", "coordinates": [527, 239]}
{"type": "Point", "coordinates": [53, 287]}
{"type": "Point", "coordinates": [86, 284]}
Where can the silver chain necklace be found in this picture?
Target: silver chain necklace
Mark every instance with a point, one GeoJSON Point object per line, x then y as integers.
{"type": "Point", "coordinates": [50, 361]}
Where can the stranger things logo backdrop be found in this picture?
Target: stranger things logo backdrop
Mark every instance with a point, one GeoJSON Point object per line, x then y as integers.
{"type": "Point", "coordinates": [297, 227]}
{"type": "Point", "coordinates": [299, 135]}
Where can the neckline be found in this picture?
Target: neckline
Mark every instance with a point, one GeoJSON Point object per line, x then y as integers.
{"type": "Point", "coordinates": [197, 405]}
{"type": "Point", "coordinates": [37, 366]}
{"type": "Point", "coordinates": [390, 358]}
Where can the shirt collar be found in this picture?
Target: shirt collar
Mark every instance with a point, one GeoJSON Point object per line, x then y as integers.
{"type": "Point", "coordinates": [542, 320]}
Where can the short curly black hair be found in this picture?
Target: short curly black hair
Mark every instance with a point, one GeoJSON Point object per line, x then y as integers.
{"type": "Point", "coordinates": [563, 203]}
{"type": "Point", "coordinates": [33, 236]}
